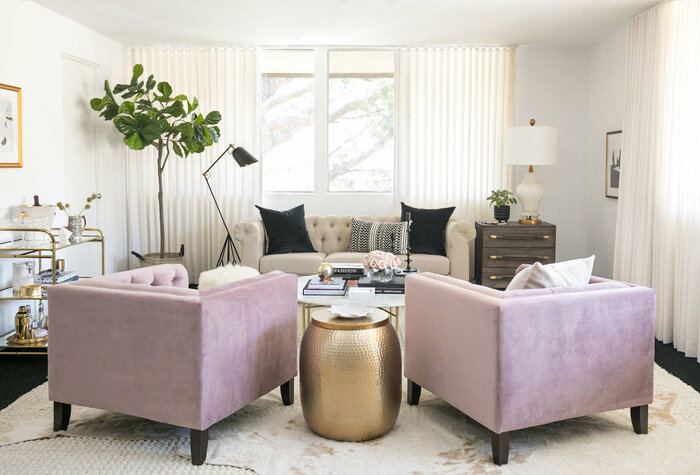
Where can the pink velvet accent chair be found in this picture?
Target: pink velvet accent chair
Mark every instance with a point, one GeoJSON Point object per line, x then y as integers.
{"type": "Point", "coordinates": [142, 343]}
{"type": "Point", "coordinates": [511, 360]}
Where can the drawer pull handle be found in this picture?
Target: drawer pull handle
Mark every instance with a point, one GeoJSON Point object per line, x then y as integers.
{"type": "Point", "coordinates": [544, 258]}
{"type": "Point", "coordinates": [518, 236]}
{"type": "Point", "coordinates": [499, 277]}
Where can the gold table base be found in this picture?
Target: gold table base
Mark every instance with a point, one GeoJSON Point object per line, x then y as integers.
{"type": "Point", "coordinates": [350, 374]}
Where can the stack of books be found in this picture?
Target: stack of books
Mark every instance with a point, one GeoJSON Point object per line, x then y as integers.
{"type": "Point", "coordinates": [337, 286]}
{"type": "Point", "coordinates": [397, 285]}
{"type": "Point", "coordinates": [62, 277]}
{"type": "Point", "coordinates": [348, 271]}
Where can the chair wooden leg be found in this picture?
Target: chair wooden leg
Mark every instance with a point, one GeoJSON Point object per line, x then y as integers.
{"type": "Point", "coordinates": [199, 439]}
{"type": "Point", "coordinates": [640, 419]}
{"type": "Point", "coordinates": [413, 392]}
{"type": "Point", "coordinates": [61, 416]}
{"type": "Point", "coordinates": [500, 445]}
{"type": "Point", "coordinates": [288, 392]}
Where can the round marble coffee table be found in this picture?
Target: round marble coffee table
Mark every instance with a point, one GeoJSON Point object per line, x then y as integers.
{"type": "Point", "coordinates": [350, 376]}
{"type": "Point", "coordinates": [389, 303]}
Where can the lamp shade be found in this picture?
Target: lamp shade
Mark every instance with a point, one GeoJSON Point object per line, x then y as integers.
{"type": "Point", "coordinates": [531, 145]}
{"type": "Point", "coordinates": [243, 157]}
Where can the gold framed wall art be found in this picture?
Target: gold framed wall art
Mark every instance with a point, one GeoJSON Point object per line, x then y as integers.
{"type": "Point", "coordinates": [10, 126]}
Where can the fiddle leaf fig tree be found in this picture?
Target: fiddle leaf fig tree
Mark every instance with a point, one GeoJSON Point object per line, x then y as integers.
{"type": "Point", "coordinates": [148, 114]}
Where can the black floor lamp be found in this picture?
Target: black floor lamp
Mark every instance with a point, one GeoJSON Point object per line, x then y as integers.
{"type": "Point", "coordinates": [243, 158]}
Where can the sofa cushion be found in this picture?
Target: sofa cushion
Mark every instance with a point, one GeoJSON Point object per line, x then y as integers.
{"type": "Point", "coordinates": [428, 263]}
{"type": "Point", "coordinates": [300, 263]}
{"type": "Point", "coordinates": [427, 228]}
{"type": "Point", "coordinates": [285, 230]}
{"type": "Point", "coordinates": [346, 257]}
{"type": "Point", "coordinates": [366, 236]}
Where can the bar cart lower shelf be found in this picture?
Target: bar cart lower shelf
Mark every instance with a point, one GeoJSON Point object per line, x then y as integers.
{"type": "Point", "coordinates": [19, 249]}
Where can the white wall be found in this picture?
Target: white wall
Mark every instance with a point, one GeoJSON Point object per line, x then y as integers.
{"type": "Point", "coordinates": [581, 91]}
{"type": "Point", "coordinates": [551, 86]}
{"type": "Point", "coordinates": [33, 42]}
{"type": "Point", "coordinates": [606, 108]}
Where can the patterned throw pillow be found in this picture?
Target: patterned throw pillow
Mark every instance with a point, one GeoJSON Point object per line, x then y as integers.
{"type": "Point", "coordinates": [366, 236]}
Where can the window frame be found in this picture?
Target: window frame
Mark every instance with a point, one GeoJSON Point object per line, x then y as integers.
{"type": "Point", "coordinates": [322, 79]}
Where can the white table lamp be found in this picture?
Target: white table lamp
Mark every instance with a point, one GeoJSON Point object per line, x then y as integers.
{"type": "Point", "coordinates": [531, 146]}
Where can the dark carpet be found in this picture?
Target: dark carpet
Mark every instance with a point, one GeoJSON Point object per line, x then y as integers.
{"type": "Point", "coordinates": [684, 368]}
{"type": "Point", "coordinates": [21, 374]}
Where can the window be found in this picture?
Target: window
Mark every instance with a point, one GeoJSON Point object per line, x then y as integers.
{"type": "Point", "coordinates": [287, 111]}
{"type": "Point", "coordinates": [361, 121]}
{"type": "Point", "coordinates": [355, 136]}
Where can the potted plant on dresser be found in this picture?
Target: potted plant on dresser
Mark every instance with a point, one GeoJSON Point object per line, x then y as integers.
{"type": "Point", "coordinates": [501, 201]}
{"type": "Point", "coordinates": [149, 115]}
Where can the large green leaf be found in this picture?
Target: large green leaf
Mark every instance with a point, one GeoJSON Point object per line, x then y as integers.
{"type": "Point", "coordinates": [119, 88]}
{"type": "Point", "coordinates": [97, 104]}
{"type": "Point", "coordinates": [108, 91]}
{"type": "Point", "coordinates": [192, 105]}
{"type": "Point", "coordinates": [180, 97]}
{"type": "Point", "coordinates": [126, 107]}
{"type": "Point", "coordinates": [125, 124]}
{"type": "Point", "coordinates": [150, 83]}
{"type": "Point", "coordinates": [137, 71]}
{"type": "Point", "coordinates": [198, 119]}
{"type": "Point", "coordinates": [186, 130]}
{"type": "Point", "coordinates": [134, 142]}
{"type": "Point", "coordinates": [212, 118]}
{"type": "Point", "coordinates": [177, 149]}
{"type": "Point", "coordinates": [110, 112]}
{"type": "Point", "coordinates": [214, 133]}
{"type": "Point", "coordinates": [150, 131]}
{"type": "Point", "coordinates": [165, 89]}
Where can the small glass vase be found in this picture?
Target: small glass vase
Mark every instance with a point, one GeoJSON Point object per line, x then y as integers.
{"type": "Point", "coordinates": [381, 275]}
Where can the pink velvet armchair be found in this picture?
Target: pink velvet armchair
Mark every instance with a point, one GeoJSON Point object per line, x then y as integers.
{"type": "Point", "coordinates": [511, 360]}
{"type": "Point", "coordinates": [142, 343]}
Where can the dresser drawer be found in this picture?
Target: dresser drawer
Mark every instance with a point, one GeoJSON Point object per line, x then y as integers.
{"type": "Point", "coordinates": [497, 277]}
{"type": "Point", "coordinates": [514, 256]}
{"type": "Point", "coordinates": [527, 237]}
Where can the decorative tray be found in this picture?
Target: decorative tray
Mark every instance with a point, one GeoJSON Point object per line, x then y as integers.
{"type": "Point", "coordinates": [14, 341]}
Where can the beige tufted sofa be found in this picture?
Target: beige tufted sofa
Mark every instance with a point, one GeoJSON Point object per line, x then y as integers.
{"type": "Point", "coordinates": [330, 236]}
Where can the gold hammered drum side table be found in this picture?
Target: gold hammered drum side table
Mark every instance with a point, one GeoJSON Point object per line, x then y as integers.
{"type": "Point", "coordinates": [350, 374]}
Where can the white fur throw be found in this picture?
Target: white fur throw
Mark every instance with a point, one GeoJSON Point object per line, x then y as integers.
{"type": "Point", "coordinates": [225, 275]}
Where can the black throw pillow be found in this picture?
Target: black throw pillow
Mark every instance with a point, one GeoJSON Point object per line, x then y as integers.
{"type": "Point", "coordinates": [427, 235]}
{"type": "Point", "coordinates": [285, 230]}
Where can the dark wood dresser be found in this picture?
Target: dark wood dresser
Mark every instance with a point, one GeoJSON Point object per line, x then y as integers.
{"type": "Point", "coordinates": [500, 249]}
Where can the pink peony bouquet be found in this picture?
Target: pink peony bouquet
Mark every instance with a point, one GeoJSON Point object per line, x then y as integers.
{"type": "Point", "coordinates": [381, 260]}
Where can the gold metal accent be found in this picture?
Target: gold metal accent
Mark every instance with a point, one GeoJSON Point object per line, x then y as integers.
{"type": "Point", "coordinates": [530, 222]}
{"type": "Point", "coordinates": [514, 256]}
{"type": "Point", "coordinates": [328, 320]}
{"type": "Point", "coordinates": [14, 340]}
{"type": "Point", "coordinates": [350, 378]}
{"type": "Point", "coordinates": [532, 122]}
{"type": "Point", "coordinates": [518, 236]}
{"type": "Point", "coordinates": [18, 90]}
{"type": "Point", "coordinates": [32, 291]}
{"type": "Point", "coordinates": [531, 169]}
{"type": "Point", "coordinates": [499, 277]}
{"type": "Point", "coordinates": [325, 271]}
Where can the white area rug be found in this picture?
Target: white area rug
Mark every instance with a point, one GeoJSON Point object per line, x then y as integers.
{"type": "Point", "coordinates": [431, 438]}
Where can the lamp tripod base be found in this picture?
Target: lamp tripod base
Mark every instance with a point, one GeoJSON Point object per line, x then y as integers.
{"type": "Point", "coordinates": [229, 253]}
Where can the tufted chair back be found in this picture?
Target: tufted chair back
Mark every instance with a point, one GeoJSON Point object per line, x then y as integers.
{"type": "Point", "coordinates": [164, 275]}
{"type": "Point", "coordinates": [330, 234]}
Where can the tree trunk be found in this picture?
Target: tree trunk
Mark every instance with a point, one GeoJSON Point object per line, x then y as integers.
{"type": "Point", "coordinates": [160, 201]}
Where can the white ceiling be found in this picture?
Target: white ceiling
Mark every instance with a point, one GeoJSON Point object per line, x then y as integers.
{"type": "Point", "coordinates": [351, 22]}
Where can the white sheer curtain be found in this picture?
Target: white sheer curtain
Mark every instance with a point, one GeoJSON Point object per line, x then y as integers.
{"type": "Point", "coordinates": [223, 79]}
{"type": "Point", "coordinates": [454, 106]}
{"type": "Point", "coordinates": [658, 219]}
